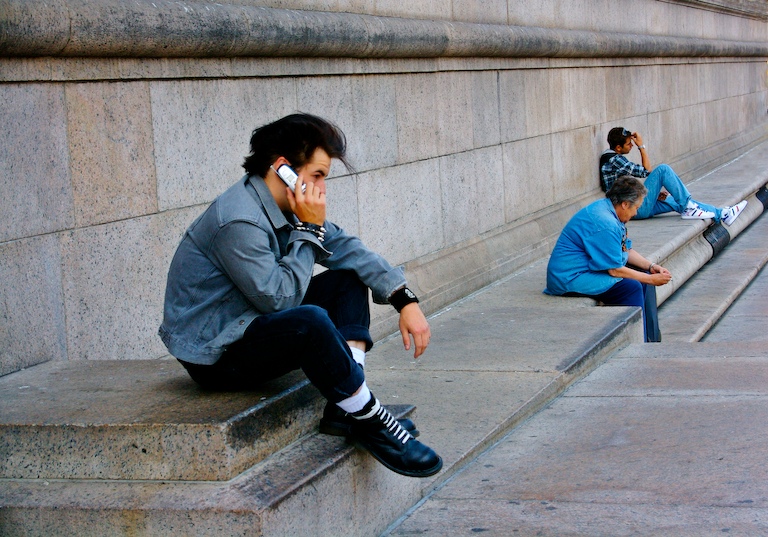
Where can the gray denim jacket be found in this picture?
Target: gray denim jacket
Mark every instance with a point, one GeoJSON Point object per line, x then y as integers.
{"type": "Point", "coordinates": [242, 258]}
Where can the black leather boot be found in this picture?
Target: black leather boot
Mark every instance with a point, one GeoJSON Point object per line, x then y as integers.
{"type": "Point", "coordinates": [381, 434]}
{"type": "Point", "coordinates": [336, 422]}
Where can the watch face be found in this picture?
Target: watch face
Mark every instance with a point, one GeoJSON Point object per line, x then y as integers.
{"type": "Point", "coordinates": [409, 293]}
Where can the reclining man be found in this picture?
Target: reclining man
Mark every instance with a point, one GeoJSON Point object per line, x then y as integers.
{"type": "Point", "coordinates": [242, 306]}
{"type": "Point", "coordinates": [675, 196]}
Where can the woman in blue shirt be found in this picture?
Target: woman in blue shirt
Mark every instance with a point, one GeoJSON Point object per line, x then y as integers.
{"type": "Point", "coordinates": [594, 257]}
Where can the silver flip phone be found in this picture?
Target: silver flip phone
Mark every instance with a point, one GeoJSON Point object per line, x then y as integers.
{"type": "Point", "coordinates": [289, 177]}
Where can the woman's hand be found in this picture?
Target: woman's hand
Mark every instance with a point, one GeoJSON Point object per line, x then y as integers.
{"type": "Point", "coordinates": [656, 275]}
{"type": "Point", "coordinates": [659, 275]}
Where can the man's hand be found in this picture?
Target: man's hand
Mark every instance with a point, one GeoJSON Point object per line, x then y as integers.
{"type": "Point", "coordinates": [645, 160]}
{"type": "Point", "coordinates": [308, 206]}
{"type": "Point", "coordinates": [414, 323]}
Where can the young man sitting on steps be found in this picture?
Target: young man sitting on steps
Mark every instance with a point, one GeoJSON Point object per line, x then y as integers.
{"type": "Point", "coordinates": [675, 196]}
{"type": "Point", "coordinates": [242, 305]}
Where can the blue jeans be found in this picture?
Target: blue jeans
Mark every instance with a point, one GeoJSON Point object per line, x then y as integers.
{"type": "Point", "coordinates": [626, 293]}
{"type": "Point", "coordinates": [664, 176]}
{"type": "Point", "coordinates": [311, 337]}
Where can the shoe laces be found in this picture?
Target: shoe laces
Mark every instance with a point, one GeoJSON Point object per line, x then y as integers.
{"type": "Point", "coordinates": [392, 425]}
{"type": "Point", "coordinates": [694, 211]}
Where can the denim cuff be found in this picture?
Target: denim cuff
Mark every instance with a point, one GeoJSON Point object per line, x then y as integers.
{"type": "Point", "coordinates": [349, 386]}
{"type": "Point", "coordinates": [356, 332]}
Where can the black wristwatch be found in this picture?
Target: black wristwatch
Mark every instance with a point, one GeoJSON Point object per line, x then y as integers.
{"type": "Point", "coordinates": [402, 297]}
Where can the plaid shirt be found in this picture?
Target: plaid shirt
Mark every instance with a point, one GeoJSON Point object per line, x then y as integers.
{"type": "Point", "coordinates": [618, 166]}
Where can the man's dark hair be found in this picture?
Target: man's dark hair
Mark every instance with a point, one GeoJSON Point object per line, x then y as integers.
{"type": "Point", "coordinates": [618, 136]}
{"type": "Point", "coordinates": [295, 137]}
{"type": "Point", "coordinates": [626, 188]}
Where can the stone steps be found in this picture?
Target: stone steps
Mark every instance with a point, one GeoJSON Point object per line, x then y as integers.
{"type": "Point", "coordinates": [143, 420]}
{"type": "Point", "coordinates": [135, 448]}
{"type": "Point", "coordinates": [684, 246]}
{"type": "Point", "coordinates": [695, 308]}
{"type": "Point", "coordinates": [318, 485]}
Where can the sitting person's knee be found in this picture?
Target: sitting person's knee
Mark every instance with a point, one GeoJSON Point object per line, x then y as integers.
{"type": "Point", "coordinates": [313, 315]}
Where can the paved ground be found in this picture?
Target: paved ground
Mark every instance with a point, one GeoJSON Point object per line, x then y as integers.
{"type": "Point", "coordinates": [662, 439]}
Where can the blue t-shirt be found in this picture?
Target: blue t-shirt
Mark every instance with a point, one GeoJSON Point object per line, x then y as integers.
{"type": "Point", "coordinates": [592, 242]}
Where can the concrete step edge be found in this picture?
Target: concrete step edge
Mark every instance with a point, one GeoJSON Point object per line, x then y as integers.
{"type": "Point", "coordinates": [692, 251]}
{"type": "Point", "coordinates": [723, 297]}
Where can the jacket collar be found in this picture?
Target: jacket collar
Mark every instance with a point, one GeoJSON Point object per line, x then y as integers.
{"type": "Point", "coordinates": [275, 215]}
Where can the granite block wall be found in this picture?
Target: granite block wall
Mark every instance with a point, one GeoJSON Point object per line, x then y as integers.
{"type": "Point", "coordinates": [105, 161]}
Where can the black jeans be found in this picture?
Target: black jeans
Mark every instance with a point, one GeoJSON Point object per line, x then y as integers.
{"type": "Point", "coordinates": [311, 337]}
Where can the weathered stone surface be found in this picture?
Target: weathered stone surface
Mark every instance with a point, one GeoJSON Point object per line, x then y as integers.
{"type": "Point", "coordinates": [34, 161]}
{"type": "Point", "coordinates": [113, 282]}
{"type": "Point", "coordinates": [111, 150]}
{"type": "Point", "coordinates": [202, 131]}
{"type": "Point", "coordinates": [32, 321]}
{"type": "Point", "coordinates": [143, 420]}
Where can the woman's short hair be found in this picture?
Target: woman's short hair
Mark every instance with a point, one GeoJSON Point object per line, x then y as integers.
{"type": "Point", "coordinates": [626, 188]}
{"type": "Point", "coordinates": [295, 137]}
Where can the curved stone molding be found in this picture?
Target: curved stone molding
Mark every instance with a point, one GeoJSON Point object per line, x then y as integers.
{"type": "Point", "coordinates": [164, 29]}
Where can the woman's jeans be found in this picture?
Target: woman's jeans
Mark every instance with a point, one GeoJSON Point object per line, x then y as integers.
{"type": "Point", "coordinates": [311, 337]}
{"type": "Point", "coordinates": [664, 176]}
{"type": "Point", "coordinates": [631, 293]}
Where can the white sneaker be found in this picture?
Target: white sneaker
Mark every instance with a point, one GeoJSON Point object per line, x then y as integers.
{"type": "Point", "coordinates": [730, 214]}
{"type": "Point", "coordinates": [694, 212]}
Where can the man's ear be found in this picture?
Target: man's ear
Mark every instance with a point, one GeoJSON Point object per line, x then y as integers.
{"type": "Point", "coordinates": [280, 161]}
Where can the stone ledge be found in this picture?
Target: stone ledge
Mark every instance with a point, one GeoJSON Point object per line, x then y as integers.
{"type": "Point", "coordinates": [166, 29]}
{"type": "Point", "coordinates": [143, 420]}
{"type": "Point", "coordinates": [63, 69]}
